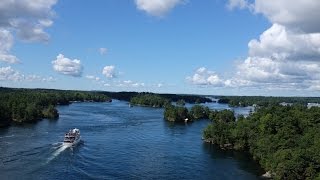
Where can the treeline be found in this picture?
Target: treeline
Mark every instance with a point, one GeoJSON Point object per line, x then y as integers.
{"type": "Point", "coordinates": [30, 105]}
{"type": "Point", "coordinates": [151, 100]}
{"type": "Point", "coordinates": [127, 96]}
{"type": "Point", "coordinates": [182, 114]}
{"type": "Point", "coordinates": [264, 100]}
{"type": "Point", "coordinates": [284, 140]}
{"type": "Point", "coordinates": [192, 99]}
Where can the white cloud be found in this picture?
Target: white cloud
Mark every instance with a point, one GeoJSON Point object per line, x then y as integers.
{"type": "Point", "coordinates": [25, 18]}
{"type": "Point", "coordinates": [103, 51]}
{"type": "Point", "coordinates": [302, 14]}
{"type": "Point", "coordinates": [157, 7]}
{"type": "Point", "coordinates": [30, 32]}
{"type": "Point", "coordinates": [6, 42]}
{"type": "Point", "coordinates": [287, 55]}
{"type": "Point", "coordinates": [94, 78]}
{"type": "Point", "coordinates": [33, 77]}
{"type": "Point", "coordinates": [129, 83]}
{"type": "Point", "coordinates": [138, 84]}
{"type": "Point", "coordinates": [109, 71]}
{"type": "Point", "coordinates": [49, 79]}
{"type": "Point", "coordinates": [67, 66]}
{"type": "Point", "coordinates": [7, 73]}
{"type": "Point", "coordinates": [28, 18]}
{"type": "Point", "coordinates": [241, 4]}
{"type": "Point", "coordinates": [281, 59]}
{"type": "Point", "coordinates": [278, 42]}
{"type": "Point", "coordinates": [90, 77]}
{"type": "Point", "coordinates": [38, 78]}
{"type": "Point", "coordinates": [10, 74]}
{"type": "Point", "coordinates": [204, 77]}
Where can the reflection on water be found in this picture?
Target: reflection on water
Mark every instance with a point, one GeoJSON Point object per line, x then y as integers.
{"type": "Point", "coordinates": [244, 159]}
{"type": "Point", "coordinates": [119, 143]}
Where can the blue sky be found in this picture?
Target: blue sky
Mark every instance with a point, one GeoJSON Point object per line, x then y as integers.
{"type": "Point", "coordinates": [234, 47]}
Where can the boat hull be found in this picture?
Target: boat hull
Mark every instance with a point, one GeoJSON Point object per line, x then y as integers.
{"type": "Point", "coordinates": [72, 143]}
{"type": "Point", "coordinates": [72, 137]}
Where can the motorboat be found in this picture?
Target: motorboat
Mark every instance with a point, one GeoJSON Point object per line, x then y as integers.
{"type": "Point", "coordinates": [72, 137]}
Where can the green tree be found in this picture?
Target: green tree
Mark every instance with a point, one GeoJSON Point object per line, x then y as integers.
{"type": "Point", "coordinates": [199, 112]}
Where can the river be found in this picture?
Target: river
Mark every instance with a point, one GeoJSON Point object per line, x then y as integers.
{"type": "Point", "coordinates": [118, 142]}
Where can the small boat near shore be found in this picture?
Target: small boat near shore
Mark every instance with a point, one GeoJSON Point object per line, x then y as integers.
{"type": "Point", "coordinates": [72, 137]}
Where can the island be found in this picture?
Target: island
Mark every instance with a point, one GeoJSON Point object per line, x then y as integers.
{"type": "Point", "coordinates": [285, 140]}
{"type": "Point", "coordinates": [30, 105]}
{"type": "Point", "coordinates": [282, 133]}
{"type": "Point", "coordinates": [20, 105]}
{"type": "Point", "coordinates": [182, 114]}
{"type": "Point", "coordinates": [181, 98]}
{"type": "Point", "coordinates": [150, 100]}
{"type": "Point", "coordinates": [242, 101]}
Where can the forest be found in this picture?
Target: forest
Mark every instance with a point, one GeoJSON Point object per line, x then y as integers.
{"type": "Point", "coordinates": [150, 100]}
{"type": "Point", "coordinates": [31, 105]}
{"type": "Point", "coordinates": [18, 105]}
{"type": "Point", "coordinates": [285, 140]}
{"type": "Point", "coordinates": [180, 113]}
{"type": "Point", "coordinates": [161, 100]}
{"type": "Point", "coordinates": [127, 96]}
{"type": "Point", "coordinates": [264, 100]}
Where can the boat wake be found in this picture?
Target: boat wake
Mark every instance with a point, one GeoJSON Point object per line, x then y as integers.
{"type": "Point", "coordinates": [8, 136]}
{"type": "Point", "coordinates": [58, 150]}
{"type": "Point", "coordinates": [22, 156]}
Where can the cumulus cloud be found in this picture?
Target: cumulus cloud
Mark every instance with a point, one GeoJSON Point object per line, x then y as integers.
{"type": "Point", "coordinates": [49, 79]}
{"type": "Point", "coordinates": [129, 83]}
{"type": "Point", "coordinates": [291, 14]}
{"type": "Point", "coordinates": [25, 18]}
{"type": "Point", "coordinates": [287, 55]}
{"type": "Point", "coordinates": [137, 84]}
{"type": "Point", "coordinates": [302, 14]}
{"type": "Point", "coordinates": [157, 7]}
{"type": "Point", "coordinates": [6, 42]}
{"type": "Point", "coordinates": [103, 51]}
{"type": "Point", "coordinates": [28, 18]}
{"type": "Point", "coordinates": [241, 4]}
{"type": "Point", "coordinates": [91, 77]}
{"type": "Point", "coordinates": [7, 73]}
{"type": "Point", "coordinates": [109, 71]}
{"type": "Point", "coordinates": [67, 66]}
{"type": "Point", "coordinates": [202, 76]}
{"type": "Point", "coordinates": [10, 74]}
{"type": "Point", "coordinates": [38, 78]}
{"type": "Point", "coordinates": [281, 56]}
{"type": "Point", "coordinates": [30, 32]}
{"type": "Point", "coordinates": [279, 42]}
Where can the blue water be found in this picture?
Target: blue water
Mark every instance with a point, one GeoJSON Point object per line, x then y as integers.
{"type": "Point", "coordinates": [118, 143]}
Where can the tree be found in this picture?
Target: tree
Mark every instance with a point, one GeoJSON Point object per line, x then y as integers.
{"type": "Point", "coordinates": [283, 139]}
{"type": "Point", "coordinates": [29, 105]}
{"type": "Point", "coordinates": [181, 102]}
{"type": "Point", "coordinates": [51, 112]}
{"type": "Point", "coordinates": [176, 113]}
{"type": "Point", "coordinates": [199, 112]}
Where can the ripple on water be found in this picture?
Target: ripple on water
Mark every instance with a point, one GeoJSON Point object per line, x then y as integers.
{"type": "Point", "coordinates": [119, 143]}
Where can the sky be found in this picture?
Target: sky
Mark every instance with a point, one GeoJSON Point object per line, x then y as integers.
{"type": "Point", "coordinates": [212, 47]}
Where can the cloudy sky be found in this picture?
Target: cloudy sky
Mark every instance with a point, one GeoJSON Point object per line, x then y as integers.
{"type": "Point", "coordinates": [225, 47]}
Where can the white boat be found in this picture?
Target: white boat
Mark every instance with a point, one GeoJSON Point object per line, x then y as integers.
{"type": "Point", "coordinates": [72, 137]}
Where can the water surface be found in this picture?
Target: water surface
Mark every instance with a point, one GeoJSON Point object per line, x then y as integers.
{"type": "Point", "coordinates": [118, 143]}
